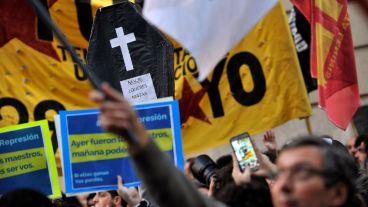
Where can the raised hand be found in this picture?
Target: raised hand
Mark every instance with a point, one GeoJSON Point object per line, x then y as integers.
{"type": "Point", "coordinates": [129, 195]}
{"type": "Point", "coordinates": [269, 140]}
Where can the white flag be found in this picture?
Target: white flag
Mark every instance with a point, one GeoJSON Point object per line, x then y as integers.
{"type": "Point", "coordinates": [208, 29]}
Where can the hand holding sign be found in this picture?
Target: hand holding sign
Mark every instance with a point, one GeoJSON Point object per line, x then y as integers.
{"type": "Point", "coordinates": [93, 157]}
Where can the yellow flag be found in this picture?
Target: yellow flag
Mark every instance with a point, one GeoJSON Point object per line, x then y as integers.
{"type": "Point", "coordinates": [258, 86]}
{"type": "Point", "coordinates": [38, 77]}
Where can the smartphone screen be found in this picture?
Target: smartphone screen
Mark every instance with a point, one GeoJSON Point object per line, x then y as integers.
{"type": "Point", "coordinates": [244, 151]}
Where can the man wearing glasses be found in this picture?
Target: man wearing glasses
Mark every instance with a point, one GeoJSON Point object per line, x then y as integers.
{"type": "Point", "coordinates": [314, 173]}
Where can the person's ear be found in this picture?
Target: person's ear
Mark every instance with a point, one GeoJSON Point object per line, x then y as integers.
{"type": "Point", "coordinates": [117, 200]}
{"type": "Point", "coordinates": [339, 194]}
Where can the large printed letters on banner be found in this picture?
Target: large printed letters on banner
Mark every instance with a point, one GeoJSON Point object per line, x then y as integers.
{"type": "Point", "coordinates": [255, 88]}
{"type": "Point", "coordinates": [38, 77]}
{"type": "Point", "coordinates": [332, 58]}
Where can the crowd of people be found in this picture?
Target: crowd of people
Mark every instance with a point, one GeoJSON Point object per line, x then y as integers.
{"type": "Point", "coordinates": [313, 171]}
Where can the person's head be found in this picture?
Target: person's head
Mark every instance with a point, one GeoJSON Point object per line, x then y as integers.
{"type": "Point", "coordinates": [24, 197]}
{"type": "Point", "coordinates": [223, 178]}
{"type": "Point", "coordinates": [65, 201]}
{"type": "Point", "coordinates": [90, 197]}
{"type": "Point", "coordinates": [82, 199]}
{"type": "Point", "coordinates": [224, 161]}
{"type": "Point", "coordinates": [314, 173]}
{"type": "Point", "coordinates": [350, 146]}
{"type": "Point", "coordinates": [253, 194]}
{"type": "Point", "coordinates": [107, 199]}
{"type": "Point", "coordinates": [361, 146]}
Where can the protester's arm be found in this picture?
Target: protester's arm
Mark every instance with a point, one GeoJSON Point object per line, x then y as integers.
{"type": "Point", "coordinates": [266, 168]}
{"type": "Point", "coordinates": [164, 182]}
{"type": "Point", "coordinates": [269, 140]}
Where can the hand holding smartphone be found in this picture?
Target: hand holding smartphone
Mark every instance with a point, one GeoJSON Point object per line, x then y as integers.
{"type": "Point", "coordinates": [244, 151]}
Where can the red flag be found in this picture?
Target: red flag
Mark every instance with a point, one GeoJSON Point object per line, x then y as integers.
{"type": "Point", "coordinates": [332, 58]}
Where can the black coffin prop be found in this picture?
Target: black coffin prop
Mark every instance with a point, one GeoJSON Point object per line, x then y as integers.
{"type": "Point", "coordinates": [127, 52]}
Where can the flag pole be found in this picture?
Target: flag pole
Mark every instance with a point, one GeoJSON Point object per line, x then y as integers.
{"type": "Point", "coordinates": [43, 14]}
{"type": "Point", "coordinates": [309, 126]}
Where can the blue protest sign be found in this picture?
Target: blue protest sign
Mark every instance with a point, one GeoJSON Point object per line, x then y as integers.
{"type": "Point", "coordinates": [92, 157]}
{"type": "Point", "coordinates": [27, 159]}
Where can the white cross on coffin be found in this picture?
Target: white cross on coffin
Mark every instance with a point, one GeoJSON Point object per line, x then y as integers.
{"type": "Point", "coordinates": [122, 41]}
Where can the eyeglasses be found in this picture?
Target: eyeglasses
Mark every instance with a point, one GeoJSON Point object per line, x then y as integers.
{"type": "Point", "coordinates": [299, 173]}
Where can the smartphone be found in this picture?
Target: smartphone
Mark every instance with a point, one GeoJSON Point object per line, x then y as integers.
{"type": "Point", "coordinates": [244, 152]}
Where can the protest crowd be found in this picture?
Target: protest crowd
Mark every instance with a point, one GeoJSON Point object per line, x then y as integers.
{"type": "Point", "coordinates": [307, 171]}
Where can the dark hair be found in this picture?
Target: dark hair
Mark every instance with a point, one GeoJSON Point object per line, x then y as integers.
{"type": "Point", "coordinates": [334, 143]}
{"type": "Point", "coordinates": [224, 160]}
{"type": "Point", "coordinates": [114, 193]}
{"type": "Point", "coordinates": [359, 140]}
{"type": "Point", "coordinates": [67, 201]}
{"type": "Point", "coordinates": [24, 197]}
{"type": "Point", "coordinates": [254, 194]}
{"type": "Point", "coordinates": [225, 177]}
{"type": "Point", "coordinates": [89, 198]}
{"type": "Point", "coordinates": [271, 154]}
{"type": "Point", "coordinates": [339, 166]}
